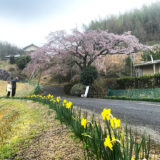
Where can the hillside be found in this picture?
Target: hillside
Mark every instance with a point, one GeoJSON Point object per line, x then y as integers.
{"type": "Point", "coordinates": [144, 23]}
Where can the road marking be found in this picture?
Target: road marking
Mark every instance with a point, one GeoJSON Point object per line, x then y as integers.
{"type": "Point", "coordinates": [150, 104]}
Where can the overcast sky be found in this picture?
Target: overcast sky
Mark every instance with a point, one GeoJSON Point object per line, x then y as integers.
{"type": "Point", "coordinates": [23, 22]}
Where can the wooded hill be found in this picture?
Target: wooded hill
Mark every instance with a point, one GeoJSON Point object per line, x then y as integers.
{"type": "Point", "coordinates": [144, 23]}
{"type": "Point", "coordinates": [8, 49]}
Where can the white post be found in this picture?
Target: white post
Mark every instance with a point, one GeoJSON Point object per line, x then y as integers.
{"type": "Point", "coordinates": [154, 68]}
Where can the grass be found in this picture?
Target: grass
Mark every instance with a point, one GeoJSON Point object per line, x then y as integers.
{"type": "Point", "coordinates": [15, 119]}
{"type": "Point", "coordinates": [19, 120]}
{"type": "Point", "coordinates": [22, 120]}
{"type": "Point", "coordinates": [93, 135]}
{"type": "Point", "coordinates": [133, 99]}
{"type": "Point", "coordinates": [23, 89]}
{"type": "Point", "coordinates": [28, 128]}
{"type": "Point", "coordinates": [9, 67]}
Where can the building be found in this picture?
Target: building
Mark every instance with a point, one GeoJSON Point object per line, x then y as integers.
{"type": "Point", "coordinates": [146, 68]}
{"type": "Point", "coordinates": [8, 57]}
{"type": "Point", "coordinates": [30, 48]}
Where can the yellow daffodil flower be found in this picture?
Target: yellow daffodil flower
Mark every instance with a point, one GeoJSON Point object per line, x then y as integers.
{"type": "Point", "coordinates": [114, 140]}
{"type": "Point", "coordinates": [83, 122]}
{"type": "Point", "coordinates": [64, 102]}
{"type": "Point", "coordinates": [106, 113]}
{"type": "Point", "coordinates": [108, 143]}
{"type": "Point", "coordinates": [58, 99]}
{"type": "Point", "coordinates": [115, 123]}
{"type": "Point", "coordinates": [69, 105]}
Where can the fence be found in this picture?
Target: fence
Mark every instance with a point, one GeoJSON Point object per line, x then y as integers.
{"type": "Point", "coordinates": [136, 93]}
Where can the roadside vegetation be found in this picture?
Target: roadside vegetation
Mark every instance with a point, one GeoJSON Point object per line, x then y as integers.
{"type": "Point", "coordinates": [101, 140]}
{"type": "Point", "coordinates": [28, 129]}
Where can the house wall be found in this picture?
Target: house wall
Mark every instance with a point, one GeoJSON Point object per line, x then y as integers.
{"type": "Point", "coordinates": [31, 48]}
{"type": "Point", "coordinates": [147, 69]}
{"type": "Point", "coordinates": [157, 68]}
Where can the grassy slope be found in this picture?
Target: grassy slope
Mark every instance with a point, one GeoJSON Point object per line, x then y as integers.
{"type": "Point", "coordinates": [18, 120]}
{"type": "Point", "coordinates": [27, 127]}
{"type": "Point", "coordinates": [22, 89]}
{"type": "Point", "coordinates": [15, 118]}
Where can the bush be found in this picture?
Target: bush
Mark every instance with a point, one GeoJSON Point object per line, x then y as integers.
{"type": "Point", "coordinates": [73, 81]}
{"type": "Point", "coordinates": [37, 90]}
{"type": "Point", "coordinates": [78, 89]}
{"type": "Point", "coordinates": [100, 86]}
{"type": "Point", "coordinates": [147, 81]}
{"type": "Point", "coordinates": [67, 88]}
{"type": "Point", "coordinates": [22, 61]}
{"type": "Point", "coordinates": [12, 60]}
{"type": "Point", "coordinates": [88, 75]}
{"type": "Point", "coordinates": [111, 83]}
{"type": "Point", "coordinates": [11, 69]}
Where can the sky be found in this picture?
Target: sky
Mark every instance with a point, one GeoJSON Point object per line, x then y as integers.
{"type": "Point", "coordinates": [23, 22]}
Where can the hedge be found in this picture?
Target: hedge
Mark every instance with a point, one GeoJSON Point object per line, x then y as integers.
{"type": "Point", "coordinates": [147, 81]}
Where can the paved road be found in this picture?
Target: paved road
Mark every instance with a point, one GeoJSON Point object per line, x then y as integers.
{"type": "Point", "coordinates": [144, 115]}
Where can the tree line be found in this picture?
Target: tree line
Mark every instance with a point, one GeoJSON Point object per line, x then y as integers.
{"type": "Point", "coordinates": [144, 23]}
{"type": "Point", "coordinates": [8, 49]}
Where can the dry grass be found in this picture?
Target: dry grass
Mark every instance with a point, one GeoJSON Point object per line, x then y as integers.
{"type": "Point", "coordinates": [30, 131]}
{"type": "Point", "coordinates": [9, 67]}
{"type": "Point", "coordinates": [22, 89]}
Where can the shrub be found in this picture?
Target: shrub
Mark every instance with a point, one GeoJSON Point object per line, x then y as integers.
{"type": "Point", "coordinates": [98, 88]}
{"type": "Point", "coordinates": [147, 81]}
{"type": "Point", "coordinates": [77, 89]}
{"type": "Point", "coordinates": [67, 88]}
{"type": "Point", "coordinates": [11, 69]}
{"type": "Point", "coordinates": [146, 56]}
{"type": "Point", "coordinates": [73, 81]}
{"type": "Point", "coordinates": [12, 60]}
{"type": "Point", "coordinates": [37, 90]}
{"type": "Point", "coordinates": [22, 61]}
{"type": "Point", "coordinates": [88, 75]}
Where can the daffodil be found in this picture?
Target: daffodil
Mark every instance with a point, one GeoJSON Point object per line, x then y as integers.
{"type": "Point", "coordinates": [49, 95]}
{"type": "Point", "coordinates": [106, 113]}
{"type": "Point", "coordinates": [83, 122]}
{"type": "Point", "coordinates": [115, 123]}
{"type": "Point", "coordinates": [69, 105]}
{"type": "Point", "coordinates": [108, 143]}
{"type": "Point", "coordinates": [114, 140]}
{"type": "Point", "coordinates": [64, 102]}
{"type": "Point", "coordinates": [58, 99]}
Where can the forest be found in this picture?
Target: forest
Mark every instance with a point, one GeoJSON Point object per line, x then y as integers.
{"type": "Point", "coordinates": [144, 23]}
{"type": "Point", "coordinates": [8, 49]}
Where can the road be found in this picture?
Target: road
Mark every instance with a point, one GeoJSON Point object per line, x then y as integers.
{"type": "Point", "coordinates": [139, 114]}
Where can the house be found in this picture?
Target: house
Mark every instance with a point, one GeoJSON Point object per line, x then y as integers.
{"type": "Point", "coordinates": [30, 48]}
{"type": "Point", "coordinates": [146, 68]}
{"type": "Point", "coordinates": [8, 57]}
